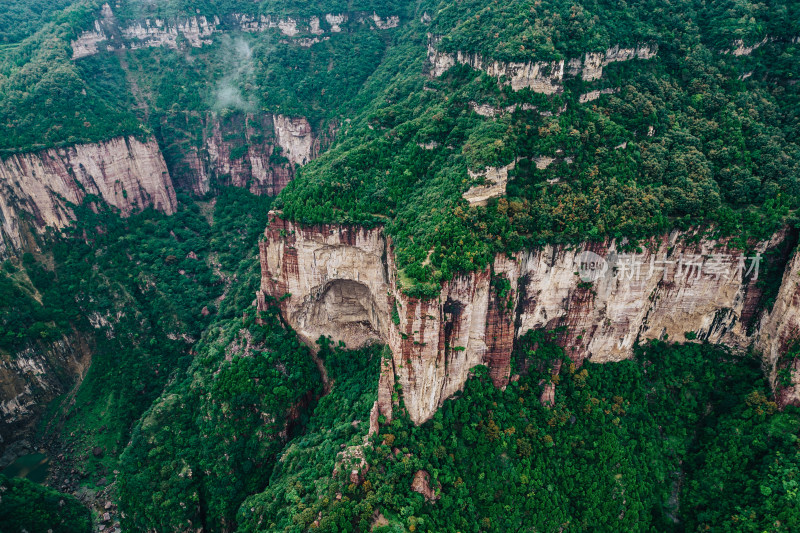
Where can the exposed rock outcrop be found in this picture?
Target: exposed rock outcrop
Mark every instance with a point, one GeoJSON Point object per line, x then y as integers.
{"type": "Point", "coordinates": [259, 152]}
{"type": "Point", "coordinates": [591, 67]}
{"type": "Point", "coordinates": [539, 76]}
{"type": "Point", "coordinates": [422, 484]}
{"type": "Point", "coordinates": [126, 173]}
{"type": "Point", "coordinates": [780, 329]}
{"type": "Point", "coordinates": [594, 95]}
{"type": "Point", "coordinates": [486, 110]}
{"type": "Point", "coordinates": [739, 48]}
{"type": "Point", "coordinates": [108, 34]}
{"type": "Point", "coordinates": [494, 184]}
{"type": "Point", "coordinates": [33, 376]}
{"type": "Point", "coordinates": [341, 281]}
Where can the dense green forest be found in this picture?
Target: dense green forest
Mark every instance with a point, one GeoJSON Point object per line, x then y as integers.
{"type": "Point", "coordinates": [694, 135]}
{"type": "Point", "coordinates": [142, 290]}
{"type": "Point", "coordinates": [684, 438]}
{"type": "Point", "coordinates": [21, 18]}
{"type": "Point", "coordinates": [26, 506]}
{"type": "Point", "coordinates": [211, 439]}
{"type": "Point", "coordinates": [209, 415]}
{"type": "Point", "coordinates": [48, 99]}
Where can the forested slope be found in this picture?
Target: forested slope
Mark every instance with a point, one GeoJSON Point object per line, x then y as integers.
{"type": "Point", "coordinates": [198, 412]}
{"type": "Point", "coordinates": [699, 133]}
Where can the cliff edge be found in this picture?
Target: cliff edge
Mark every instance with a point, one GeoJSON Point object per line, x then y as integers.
{"type": "Point", "coordinates": [342, 282]}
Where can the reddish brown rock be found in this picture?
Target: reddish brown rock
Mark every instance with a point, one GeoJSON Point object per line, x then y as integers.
{"type": "Point", "coordinates": [422, 484]}
{"type": "Point", "coordinates": [126, 173]}
{"type": "Point", "coordinates": [256, 151]}
{"type": "Point", "coordinates": [779, 331]}
{"type": "Point", "coordinates": [341, 281]}
{"type": "Point", "coordinates": [548, 397]}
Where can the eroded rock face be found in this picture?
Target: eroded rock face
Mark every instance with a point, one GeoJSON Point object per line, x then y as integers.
{"type": "Point", "coordinates": [739, 48]}
{"type": "Point", "coordinates": [677, 284]}
{"type": "Point", "coordinates": [197, 31]}
{"type": "Point", "coordinates": [780, 329]}
{"type": "Point", "coordinates": [539, 76]}
{"type": "Point", "coordinates": [294, 136]}
{"type": "Point", "coordinates": [422, 484]}
{"type": "Point", "coordinates": [33, 376]}
{"type": "Point", "coordinates": [594, 95]}
{"type": "Point", "coordinates": [259, 152]}
{"type": "Point", "coordinates": [591, 68]}
{"type": "Point", "coordinates": [494, 184]}
{"type": "Point", "coordinates": [127, 173]}
{"type": "Point", "coordinates": [330, 280]}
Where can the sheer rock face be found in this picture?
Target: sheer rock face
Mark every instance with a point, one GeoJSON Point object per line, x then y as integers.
{"type": "Point", "coordinates": [591, 68]}
{"type": "Point", "coordinates": [35, 375]}
{"type": "Point", "coordinates": [127, 173]}
{"type": "Point", "coordinates": [541, 76]}
{"type": "Point", "coordinates": [259, 152]}
{"type": "Point", "coordinates": [780, 329]}
{"type": "Point", "coordinates": [342, 282]}
{"type": "Point", "coordinates": [107, 34]}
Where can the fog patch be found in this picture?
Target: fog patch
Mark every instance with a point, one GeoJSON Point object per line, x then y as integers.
{"type": "Point", "coordinates": [233, 91]}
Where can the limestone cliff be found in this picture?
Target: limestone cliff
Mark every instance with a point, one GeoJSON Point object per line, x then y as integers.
{"type": "Point", "coordinates": [342, 282]}
{"type": "Point", "coordinates": [260, 152]}
{"type": "Point", "coordinates": [126, 173]}
{"type": "Point", "coordinates": [539, 76]}
{"type": "Point", "coordinates": [545, 77]}
{"type": "Point", "coordinates": [109, 34]}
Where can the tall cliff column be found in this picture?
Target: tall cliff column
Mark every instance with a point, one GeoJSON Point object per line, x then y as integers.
{"type": "Point", "coordinates": [779, 331]}
{"type": "Point", "coordinates": [501, 318]}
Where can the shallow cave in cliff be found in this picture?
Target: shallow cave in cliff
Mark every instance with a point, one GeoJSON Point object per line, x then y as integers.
{"type": "Point", "coordinates": [345, 310]}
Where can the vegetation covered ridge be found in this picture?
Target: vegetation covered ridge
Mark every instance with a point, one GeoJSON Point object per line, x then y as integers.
{"type": "Point", "coordinates": [695, 136]}
{"type": "Point", "coordinates": [47, 98]}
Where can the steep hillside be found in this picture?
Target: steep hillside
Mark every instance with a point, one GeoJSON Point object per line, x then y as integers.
{"type": "Point", "coordinates": [373, 265]}
{"type": "Point", "coordinates": [634, 124]}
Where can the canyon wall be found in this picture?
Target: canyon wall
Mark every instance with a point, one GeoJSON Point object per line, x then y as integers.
{"type": "Point", "coordinates": [780, 330]}
{"type": "Point", "coordinates": [545, 77]}
{"type": "Point", "coordinates": [40, 187]}
{"type": "Point", "coordinates": [34, 376]}
{"type": "Point", "coordinates": [342, 282]}
{"type": "Point", "coordinates": [108, 34]}
{"type": "Point", "coordinates": [257, 151]}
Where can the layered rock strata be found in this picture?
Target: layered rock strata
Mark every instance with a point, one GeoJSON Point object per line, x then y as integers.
{"type": "Point", "coordinates": [342, 282]}
{"type": "Point", "coordinates": [545, 77]}
{"type": "Point", "coordinates": [108, 34]}
{"type": "Point", "coordinates": [259, 152]}
{"type": "Point", "coordinates": [40, 187]}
